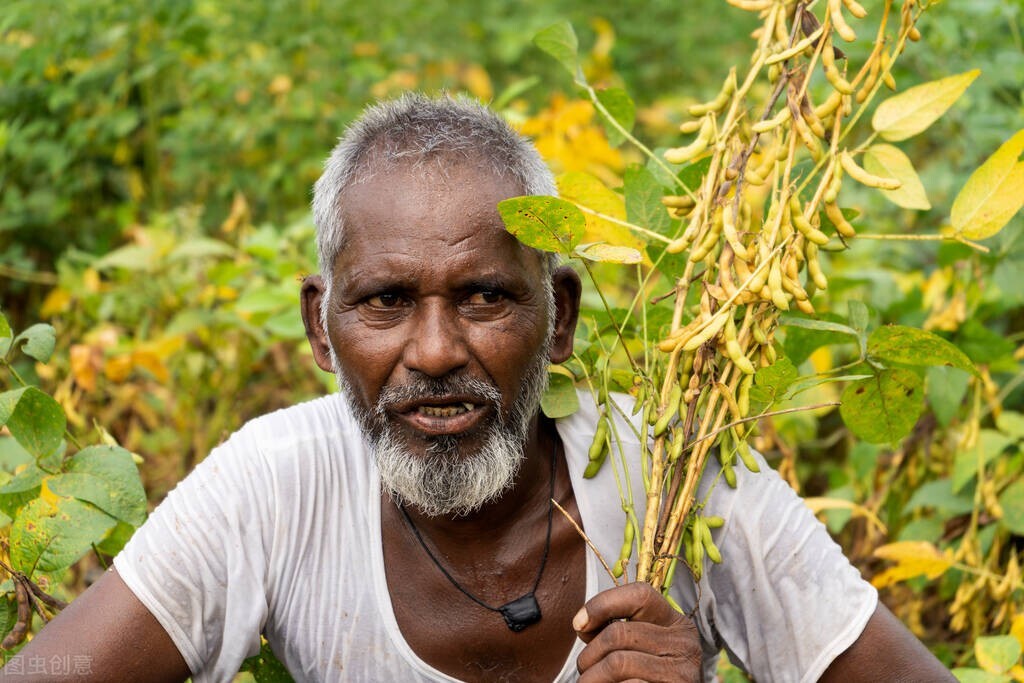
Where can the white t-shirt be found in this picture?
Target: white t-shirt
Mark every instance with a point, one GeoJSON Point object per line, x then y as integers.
{"type": "Point", "coordinates": [278, 532]}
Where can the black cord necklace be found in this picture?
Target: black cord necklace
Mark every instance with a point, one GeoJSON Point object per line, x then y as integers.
{"type": "Point", "coordinates": [522, 611]}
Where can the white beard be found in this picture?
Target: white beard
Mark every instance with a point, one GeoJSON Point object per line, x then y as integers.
{"type": "Point", "coordinates": [446, 481]}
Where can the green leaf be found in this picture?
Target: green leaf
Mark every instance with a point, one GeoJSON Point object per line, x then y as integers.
{"type": "Point", "coordinates": [622, 109]}
{"type": "Point", "coordinates": [885, 408]}
{"type": "Point", "coordinates": [128, 257]}
{"type": "Point", "coordinates": [917, 348]}
{"type": "Point", "coordinates": [5, 336]}
{"type": "Point", "coordinates": [801, 341]}
{"type": "Point", "coordinates": [965, 463]}
{"type": "Point", "coordinates": [200, 248]}
{"type": "Point", "coordinates": [559, 41]}
{"type": "Point", "coordinates": [993, 193]}
{"type": "Point", "coordinates": [21, 489]}
{"type": "Point", "coordinates": [513, 91]}
{"type": "Point", "coordinates": [912, 111]}
{"type": "Point", "coordinates": [859, 318]}
{"type": "Point", "coordinates": [890, 162]}
{"type": "Point", "coordinates": [643, 200]}
{"type": "Point", "coordinates": [771, 383]}
{"type": "Point", "coordinates": [1011, 423]}
{"type": "Point", "coordinates": [971, 675]}
{"type": "Point", "coordinates": [1012, 502]}
{"type": "Point", "coordinates": [946, 388]}
{"type": "Point", "coordinates": [116, 539]}
{"type": "Point", "coordinates": [939, 495]}
{"type": "Point", "coordinates": [8, 613]}
{"type": "Point", "coordinates": [996, 654]}
{"type": "Point", "coordinates": [545, 223]}
{"type": "Point", "coordinates": [49, 536]}
{"type": "Point", "coordinates": [560, 400]}
{"type": "Point", "coordinates": [34, 418]}
{"type": "Point", "coordinates": [817, 325]}
{"type": "Point", "coordinates": [265, 667]}
{"type": "Point", "coordinates": [609, 253]}
{"type": "Point", "coordinates": [107, 477]}
{"type": "Point", "coordinates": [37, 341]}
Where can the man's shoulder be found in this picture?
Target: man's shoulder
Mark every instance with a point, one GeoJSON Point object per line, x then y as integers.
{"type": "Point", "coordinates": [320, 424]}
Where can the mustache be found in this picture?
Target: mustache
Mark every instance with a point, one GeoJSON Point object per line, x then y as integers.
{"type": "Point", "coordinates": [422, 387]}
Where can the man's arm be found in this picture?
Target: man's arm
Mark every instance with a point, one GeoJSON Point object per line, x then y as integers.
{"type": "Point", "coordinates": [886, 651]}
{"type": "Point", "coordinates": [110, 636]}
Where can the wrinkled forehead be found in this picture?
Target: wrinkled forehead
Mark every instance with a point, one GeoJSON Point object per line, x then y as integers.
{"type": "Point", "coordinates": [460, 186]}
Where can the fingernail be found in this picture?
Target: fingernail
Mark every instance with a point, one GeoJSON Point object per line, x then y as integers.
{"type": "Point", "coordinates": [580, 620]}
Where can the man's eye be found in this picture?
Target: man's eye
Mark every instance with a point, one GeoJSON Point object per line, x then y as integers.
{"type": "Point", "coordinates": [486, 296]}
{"type": "Point", "coordinates": [384, 300]}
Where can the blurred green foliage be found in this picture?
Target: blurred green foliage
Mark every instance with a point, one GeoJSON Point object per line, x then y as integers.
{"type": "Point", "coordinates": [156, 159]}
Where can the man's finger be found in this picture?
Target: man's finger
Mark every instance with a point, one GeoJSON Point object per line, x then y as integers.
{"type": "Point", "coordinates": [634, 601]}
{"type": "Point", "coordinates": [630, 666]}
{"type": "Point", "coordinates": [634, 636]}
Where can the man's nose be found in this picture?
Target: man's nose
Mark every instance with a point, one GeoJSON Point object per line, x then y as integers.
{"type": "Point", "coordinates": [437, 343]}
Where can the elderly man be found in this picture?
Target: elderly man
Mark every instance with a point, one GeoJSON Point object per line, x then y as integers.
{"type": "Point", "coordinates": [402, 530]}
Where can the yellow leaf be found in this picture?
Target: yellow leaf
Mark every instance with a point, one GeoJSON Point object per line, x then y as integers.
{"type": "Point", "coordinates": [993, 193]}
{"type": "Point", "coordinates": [592, 194]}
{"type": "Point", "coordinates": [912, 111]}
{"type": "Point", "coordinates": [84, 364]}
{"type": "Point", "coordinates": [56, 302]}
{"type": "Point", "coordinates": [1017, 628]}
{"type": "Point", "coordinates": [118, 368]}
{"type": "Point", "coordinates": [238, 215]}
{"type": "Point", "coordinates": [891, 162]}
{"type": "Point", "coordinates": [820, 504]}
{"type": "Point", "coordinates": [280, 85]}
{"type": "Point", "coordinates": [912, 558]}
{"type": "Point", "coordinates": [48, 496]}
{"type": "Point", "coordinates": [608, 253]}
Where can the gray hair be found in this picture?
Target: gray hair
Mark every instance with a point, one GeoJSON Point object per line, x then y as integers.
{"type": "Point", "coordinates": [414, 128]}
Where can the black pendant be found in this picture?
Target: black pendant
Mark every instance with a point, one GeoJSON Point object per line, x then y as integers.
{"type": "Point", "coordinates": [521, 612]}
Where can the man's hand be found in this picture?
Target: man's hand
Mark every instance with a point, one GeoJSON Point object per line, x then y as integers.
{"type": "Point", "coordinates": [632, 633]}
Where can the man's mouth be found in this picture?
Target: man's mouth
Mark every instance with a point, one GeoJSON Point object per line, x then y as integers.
{"type": "Point", "coordinates": [445, 410]}
{"type": "Point", "coordinates": [437, 415]}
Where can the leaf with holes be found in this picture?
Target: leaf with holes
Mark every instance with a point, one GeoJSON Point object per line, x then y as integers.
{"type": "Point", "coordinates": [914, 347]}
{"type": "Point", "coordinates": [885, 408]}
{"type": "Point", "coordinates": [545, 223]}
{"type": "Point", "coordinates": [48, 536]}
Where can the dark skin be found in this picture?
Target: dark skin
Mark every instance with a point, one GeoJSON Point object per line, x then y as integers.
{"type": "Point", "coordinates": [453, 293]}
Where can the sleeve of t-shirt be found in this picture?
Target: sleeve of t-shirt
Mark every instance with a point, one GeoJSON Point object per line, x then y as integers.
{"type": "Point", "coordinates": [786, 601]}
{"type": "Point", "coordinates": [199, 562]}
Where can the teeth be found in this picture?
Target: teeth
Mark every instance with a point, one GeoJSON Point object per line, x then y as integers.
{"type": "Point", "coordinates": [446, 411]}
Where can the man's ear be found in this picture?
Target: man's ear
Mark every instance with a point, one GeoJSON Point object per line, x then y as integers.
{"type": "Point", "coordinates": [312, 295]}
{"type": "Point", "coordinates": [567, 310]}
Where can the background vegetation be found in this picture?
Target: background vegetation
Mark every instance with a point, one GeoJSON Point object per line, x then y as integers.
{"type": "Point", "coordinates": [155, 165]}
